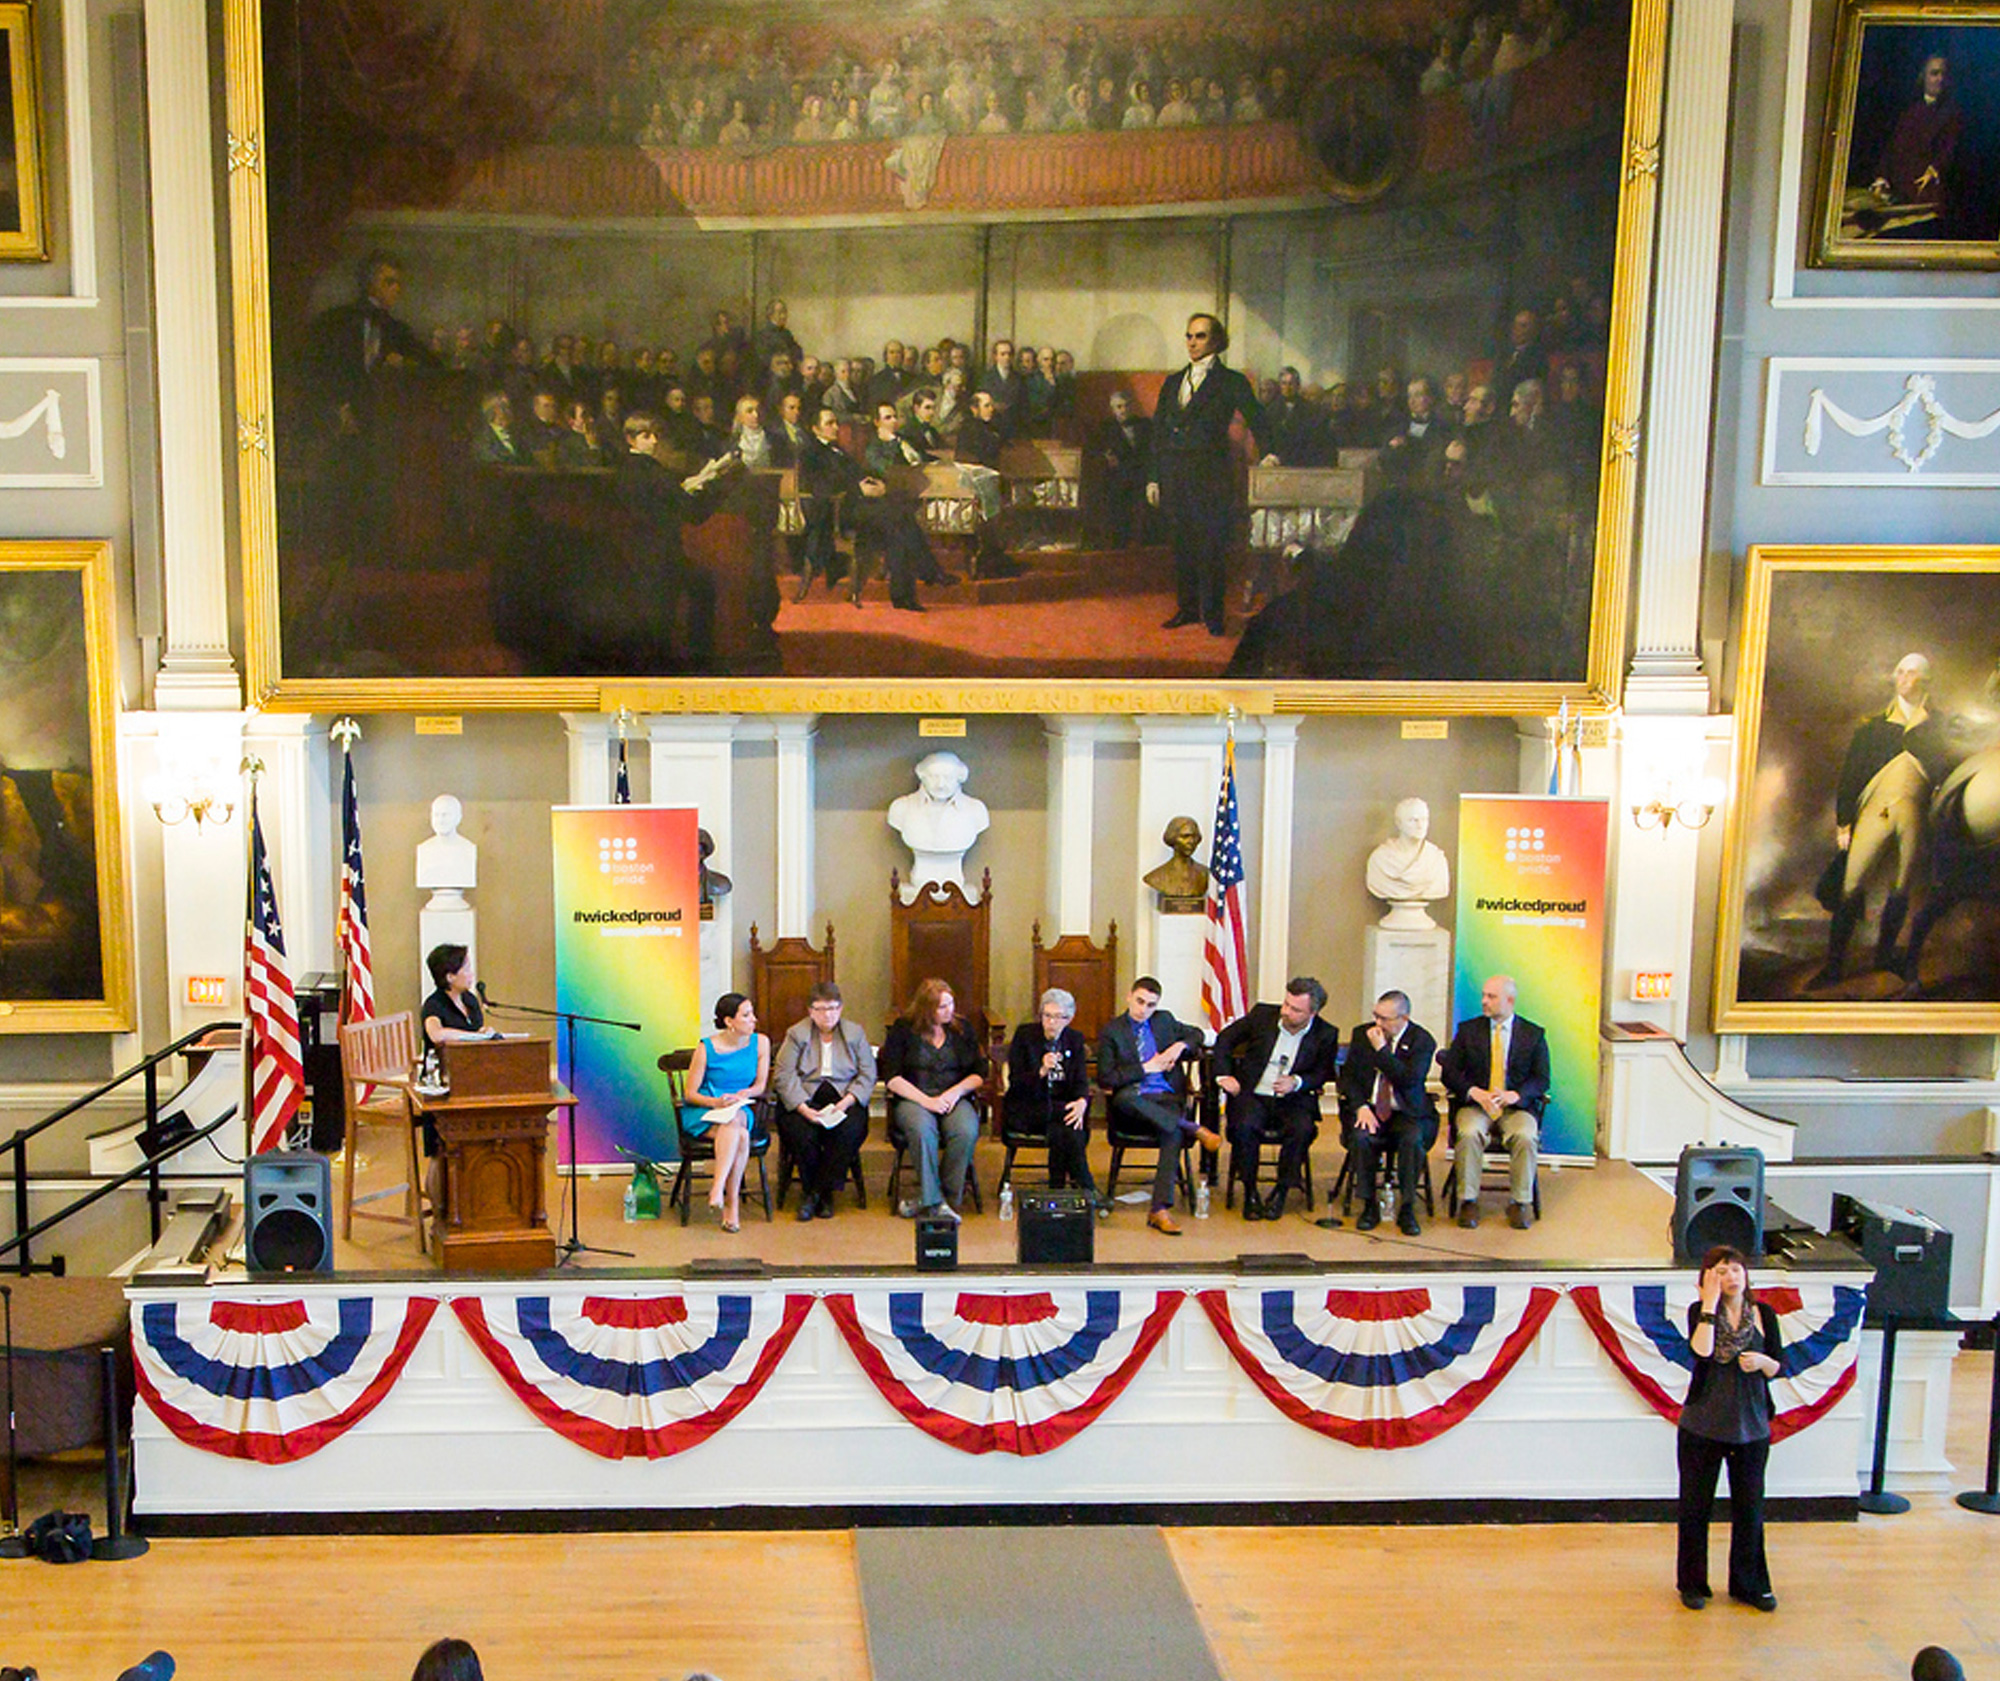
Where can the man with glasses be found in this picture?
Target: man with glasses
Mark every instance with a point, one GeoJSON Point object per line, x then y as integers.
{"type": "Point", "coordinates": [823, 1076]}
{"type": "Point", "coordinates": [1384, 1105]}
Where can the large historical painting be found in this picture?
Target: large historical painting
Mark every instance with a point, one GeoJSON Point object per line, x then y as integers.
{"type": "Point", "coordinates": [63, 951]}
{"type": "Point", "coordinates": [1863, 877]}
{"type": "Point", "coordinates": [23, 236]}
{"type": "Point", "coordinates": [539, 309]}
{"type": "Point", "coordinates": [1910, 166]}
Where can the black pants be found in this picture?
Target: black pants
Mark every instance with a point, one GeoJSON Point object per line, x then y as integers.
{"type": "Point", "coordinates": [1160, 1114]}
{"type": "Point", "coordinates": [1069, 1153]}
{"type": "Point", "coordinates": [1293, 1121]}
{"type": "Point", "coordinates": [1701, 1461]}
{"type": "Point", "coordinates": [1197, 503]}
{"type": "Point", "coordinates": [1404, 1134]}
{"type": "Point", "coordinates": [823, 1156]}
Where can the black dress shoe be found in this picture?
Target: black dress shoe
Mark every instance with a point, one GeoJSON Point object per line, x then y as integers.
{"type": "Point", "coordinates": [1253, 1206]}
{"type": "Point", "coordinates": [1757, 1601]}
{"type": "Point", "coordinates": [807, 1208]}
{"type": "Point", "coordinates": [1694, 1601]}
{"type": "Point", "coordinates": [1406, 1223]}
{"type": "Point", "coordinates": [823, 1208]}
{"type": "Point", "coordinates": [1274, 1209]}
{"type": "Point", "coordinates": [1369, 1218]}
{"type": "Point", "coordinates": [1180, 619]}
{"type": "Point", "coordinates": [909, 606]}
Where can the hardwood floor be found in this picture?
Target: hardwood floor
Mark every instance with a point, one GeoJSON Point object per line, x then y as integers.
{"type": "Point", "coordinates": [1857, 1600]}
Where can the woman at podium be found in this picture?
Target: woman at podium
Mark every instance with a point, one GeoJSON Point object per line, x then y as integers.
{"type": "Point", "coordinates": [725, 1077]}
{"type": "Point", "coordinates": [452, 1012]}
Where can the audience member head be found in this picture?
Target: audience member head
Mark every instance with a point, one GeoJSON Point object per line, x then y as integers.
{"type": "Point", "coordinates": [1003, 355]}
{"type": "Point", "coordinates": [154, 1666]}
{"type": "Point", "coordinates": [826, 426]}
{"type": "Point", "coordinates": [1121, 406]}
{"type": "Point", "coordinates": [1934, 1663]}
{"type": "Point", "coordinates": [749, 415]}
{"type": "Point", "coordinates": [448, 1660]}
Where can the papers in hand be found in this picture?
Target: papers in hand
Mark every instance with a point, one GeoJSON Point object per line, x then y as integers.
{"type": "Point", "coordinates": [727, 1113]}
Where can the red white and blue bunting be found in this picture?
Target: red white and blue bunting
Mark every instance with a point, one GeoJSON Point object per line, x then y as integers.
{"type": "Point", "coordinates": [1004, 1373]}
{"type": "Point", "coordinates": [1379, 1368]}
{"type": "Point", "coordinates": [272, 1381]}
{"type": "Point", "coordinates": [1643, 1328]}
{"type": "Point", "coordinates": [635, 1375]}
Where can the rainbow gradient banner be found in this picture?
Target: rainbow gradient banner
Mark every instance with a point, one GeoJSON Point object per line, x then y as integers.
{"type": "Point", "coordinates": [1531, 905]}
{"type": "Point", "coordinates": [628, 927]}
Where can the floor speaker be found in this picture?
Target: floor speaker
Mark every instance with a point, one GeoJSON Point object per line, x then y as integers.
{"type": "Point", "coordinates": [1719, 1198]}
{"type": "Point", "coordinates": [288, 1212]}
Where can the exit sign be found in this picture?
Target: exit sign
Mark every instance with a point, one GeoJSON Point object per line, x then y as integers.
{"type": "Point", "coordinates": [1652, 986]}
{"type": "Point", "coordinates": [208, 989]}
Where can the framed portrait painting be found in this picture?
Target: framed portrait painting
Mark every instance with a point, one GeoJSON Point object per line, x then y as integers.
{"type": "Point", "coordinates": [1910, 155]}
{"type": "Point", "coordinates": [1861, 888]}
{"type": "Point", "coordinates": [65, 957]}
{"type": "Point", "coordinates": [496, 267]}
{"type": "Point", "coordinates": [23, 227]}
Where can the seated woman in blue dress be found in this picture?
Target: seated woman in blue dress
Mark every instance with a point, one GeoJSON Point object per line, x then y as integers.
{"type": "Point", "coordinates": [724, 1080]}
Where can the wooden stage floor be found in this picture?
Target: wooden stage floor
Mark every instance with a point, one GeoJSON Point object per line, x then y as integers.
{"type": "Point", "coordinates": [1608, 1214]}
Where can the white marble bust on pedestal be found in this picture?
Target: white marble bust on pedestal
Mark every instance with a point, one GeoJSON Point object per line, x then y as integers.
{"type": "Point", "coordinates": [1409, 869]}
{"type": "Point", "coordinates": [447, 863]}
{"type": "Point", "coordinates": [939, 821]}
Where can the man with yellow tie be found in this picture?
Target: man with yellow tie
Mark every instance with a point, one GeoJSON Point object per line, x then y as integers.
{"type": "Point", "coordinates": [1497, 1072]}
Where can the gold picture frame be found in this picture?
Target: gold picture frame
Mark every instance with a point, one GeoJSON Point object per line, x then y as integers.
{"type": "Point", "coordinates": [1860, 892]}
{"type": "Point", "coordinates": [1907, 176]}
{"type": "Point", "coordinates": [1628, 157]}
{"type": "Point", "coordinates": [65, 946]}
{"type": "Point", "coordinates": [23, 224]}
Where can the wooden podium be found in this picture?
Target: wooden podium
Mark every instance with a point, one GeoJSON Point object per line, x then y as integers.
{"type": "Point", "coordinates": [494, 1134]}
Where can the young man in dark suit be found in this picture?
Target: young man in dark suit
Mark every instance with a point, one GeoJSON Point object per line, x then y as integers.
{"type": "Point", "coordinates": [1510, 1102]}
{"type": "Point", "coordinates": [1142, 1062]}
{"type": "Point", "coordinates": [1383, 1103]}
{"type": "Point", "coordinates": [1193, 481]}
{"type": "Point", "coordinates": [1273, 1064]}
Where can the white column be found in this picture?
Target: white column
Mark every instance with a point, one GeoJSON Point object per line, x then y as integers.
{"type": "Point", "coordinates": [301, 836]}
{"type": "Point", "coordinates": [693, 764]}
{"type": "Point", "coordinates": [1666, 672]}
{"type": "Point", "coordinates": [1072, 817]}
{"type": "Point", "coordinates": [796, 736]}
{"type": "Point", "coordinates": [203, 870]}
{"type": "Point", "coordinates": [1180, 767]}
{"type": "Point", "coordinates": [196, 670]}
{"type": "Point", "coordinates": [1274, 887]}
{"type": "Point", "coordinates": [588, 737]}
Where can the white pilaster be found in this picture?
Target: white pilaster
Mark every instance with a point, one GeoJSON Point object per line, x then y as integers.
{"type": "Point", "coordinates": [1072, 816]}
{"type": "Point", "coordinates": [196, 670]}
{"type": "Point", "coordinates": [1274, 886]}
{"type": "Point", "coordinates": [1680, 384]}
{"type": "Point", "coordinates": [796, 737]}
{"type": "Point", "coordinates": [1180, 767]}
{"type": "Point", "coordinates": [203, 869]}
{"type": "Point", "coordinates": [693, 764]}
{"type": "Point", "coordinates": [588, 737]}
{"type": "Point", "coordinates": [301, 834]}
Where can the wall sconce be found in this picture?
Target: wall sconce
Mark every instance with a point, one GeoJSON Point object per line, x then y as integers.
{"type": "Point", "coordinates": [1674, 801]}
{"type": "Point", "coordinates": [202, 792]}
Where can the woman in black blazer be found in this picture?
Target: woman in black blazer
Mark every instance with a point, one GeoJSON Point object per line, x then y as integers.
{"type": "Point", "coordinates": [1048, 1091]}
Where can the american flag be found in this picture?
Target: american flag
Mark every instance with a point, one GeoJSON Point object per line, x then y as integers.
{"type": "Point", "coordinates": [357, 1001]}
{"type": "Point", "coordinates": [1225, 981]}
{"type": "Point", "coordinates": [277, 1077]}
{"type": "Point", "coordinates": [623, 794]}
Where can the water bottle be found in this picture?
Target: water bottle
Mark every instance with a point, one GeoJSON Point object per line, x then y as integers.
{"type": "Point", "coordinates": [1201, 1199]}
{"type": "Point", "coordinates": [1007, 1202]}
{"type": "Point", "coordinates": [631, 1204]}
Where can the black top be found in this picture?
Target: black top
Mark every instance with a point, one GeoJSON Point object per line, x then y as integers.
{"type": "Point", "coordinates": [1726, 1403]}
{"type": "Point", "coordinates": [1030, 1096]}
{"type": "Point", "coordinates": [463, 1013]}
{"type": "Point", "coordinates": [932, 1069]}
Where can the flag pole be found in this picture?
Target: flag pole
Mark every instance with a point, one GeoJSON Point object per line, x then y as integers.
{"type": "Point", "coordinates": [251, 767]}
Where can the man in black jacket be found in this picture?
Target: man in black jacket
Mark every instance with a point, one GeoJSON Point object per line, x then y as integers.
{"type": "Point", "coordinates": [1383, 1102]}
{"type": "Point", "coordinates": [1497, 1071]}
{"type": "Point", "coordinates": [1142, 1062]}
{"type": "Point", "coordinates": [1272, 1064]}
{"type": "Point", "coordinates": [1193, 481]}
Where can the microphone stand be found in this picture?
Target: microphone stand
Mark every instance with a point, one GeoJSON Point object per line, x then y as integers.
{"type": "Point", "coordinates": [11, 1544]}
{"type": "Point", "coordinates": [573, 1245]}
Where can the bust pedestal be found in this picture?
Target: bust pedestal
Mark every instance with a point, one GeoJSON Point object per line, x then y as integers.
{"type": "Point", "coordinates": [1412, 960]}
{"type": "Point", "coordinates": [446, 918]}
{"type": "Point", "coordinates": [1179, 942]}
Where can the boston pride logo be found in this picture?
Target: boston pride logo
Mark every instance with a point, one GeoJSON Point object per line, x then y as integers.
{"type": "Point", "coordinates": [618, 857]}
{"type": "Point", "coordinates": [1529, 846]}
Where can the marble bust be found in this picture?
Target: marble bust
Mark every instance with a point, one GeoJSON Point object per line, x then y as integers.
{"type": "Point", "coordinates": [1409, 869]}
{"type": "Point", "coordinates": [447, 862]}
{"type": "Point", "coordinates": [939, 821]}
{"type": "Point", "coordinates": [1181, 883]}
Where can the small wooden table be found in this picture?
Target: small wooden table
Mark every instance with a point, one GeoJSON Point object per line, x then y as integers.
{"type": "Point", "coordinates": [494, 1215]}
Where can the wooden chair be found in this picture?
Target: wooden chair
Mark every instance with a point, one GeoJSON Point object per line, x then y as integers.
{"type": "Point", "coordinates": [1123, 1136]}
{"type": "Point", "coordinates": [698, 1148]}
{"type": "Point", "coordinates": [782, 976]}
{"type": "Point", "coordinates": [1089, 974]}
{"type": "Point", "coordinates": [1343, 1181]}
{"type": "Point", "coordinates": [942, 932]}
{"type": "Point", "coordinates": [378, 1060]}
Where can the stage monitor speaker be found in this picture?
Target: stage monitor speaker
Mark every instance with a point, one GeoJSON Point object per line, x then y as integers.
{"type": "Point", "coordinates": [1718, 1198]}
{"type": "Point", "coordinates": [288, 1212]}
{"type": "Point", "coordinates": [1910, 1252]}
{"type": "Point", "coordinates": [1056, 1229]}
{"type": "Point", "coordinates": [937, 1243]}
